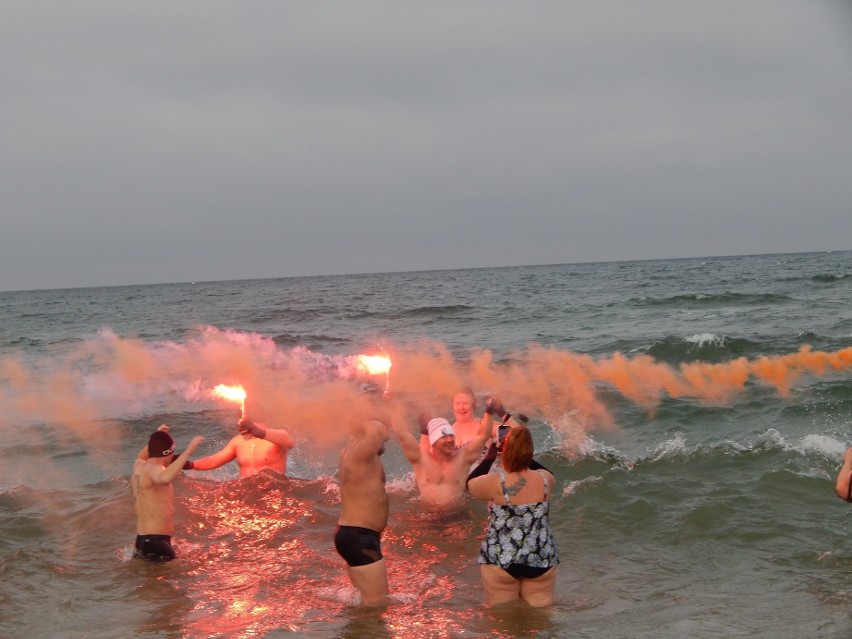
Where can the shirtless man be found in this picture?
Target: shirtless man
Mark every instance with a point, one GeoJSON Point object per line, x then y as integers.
{"type": "Point", "coordinates": [441, 469]}
{"type": "Point", "coordinates": [363, 509]}
{"type": "Point", "coordinates": [256, 447]}
{"type": "Point", "coordinates": [151, 482]}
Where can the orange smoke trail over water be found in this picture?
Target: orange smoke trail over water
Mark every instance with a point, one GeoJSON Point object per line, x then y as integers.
{"type": "Point", "coordinates": [311, 394]}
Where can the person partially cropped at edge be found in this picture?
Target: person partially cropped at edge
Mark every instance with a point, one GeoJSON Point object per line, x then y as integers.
{"type": "Point", "coordinates": [257, 446]}
{"type": "Point", "coordinates": [518, 555]}
{"type": "Point", "coordinates": [154, 471]}
{"type": "Point", "coordinates": [363, 508]}
{"type": "Point", "coordinates": [843, 484]}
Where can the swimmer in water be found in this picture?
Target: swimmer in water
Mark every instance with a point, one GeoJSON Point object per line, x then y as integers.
{"type": "Point", "coordinates": [154, 471]}
{"type": "Point", "coordinates": [257, 446]}
{"type": "Point", "coordinates": [363, 509]}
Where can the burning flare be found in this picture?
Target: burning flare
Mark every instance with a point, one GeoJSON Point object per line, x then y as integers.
{"type": "Point", "coordinates": [232, 394]}
{"type": "Point", "coordinates": [376, 365]}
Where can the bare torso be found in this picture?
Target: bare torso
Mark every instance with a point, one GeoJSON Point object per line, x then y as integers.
{"type": "Point", "coordinates": [440, 478]}
{"type": "Point", "coordinates": [154, 502]}
{"type": "Point", "coordinates": [254, 454]}
{"type": "Point", "coordinates": [466, 430]}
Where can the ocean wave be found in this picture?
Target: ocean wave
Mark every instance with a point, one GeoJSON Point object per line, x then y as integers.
{"type": "Point", "coordinates": [764, 450]}
{"type": "Point", "coordinates": [820, 278]}
{"type": "Point", "coordinates": [703, 300]}
{"type": "Point", "coordinates": [823, 445]}
{"type": "Point", "coordinates": [310, 342]}
{"type": "Point", "coordinates": [449, 310]}
{"type": "Point", "coordinates": [718, 479]}
{"type": "Point", "coordinates": [701, 346]}
{"type": "Point", "coordinates": [23, 342]}
{"type": "Point", "coordinates": [596, 459]}
{"type": "Point", "coordinates": [829, 278]}
{"type": "Point", "coordinates": [285, 316]}
{"type": "Point", "coordinates": [20, 520]}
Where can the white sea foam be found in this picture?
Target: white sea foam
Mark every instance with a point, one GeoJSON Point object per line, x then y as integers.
{"type": "Point", "coordinates": [700, 340]}
{"type": "Point", "coordinates": [670, 448]}
{"type": "Point", "coordinates": [825, 444]}
{"type": "Point", "coordinates": [573, 486]}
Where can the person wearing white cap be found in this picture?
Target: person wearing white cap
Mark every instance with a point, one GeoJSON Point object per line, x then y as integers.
{"type": "Point", "coordinates": [441, 468]}
{"type": "Point", "coordinates": [466, 424]}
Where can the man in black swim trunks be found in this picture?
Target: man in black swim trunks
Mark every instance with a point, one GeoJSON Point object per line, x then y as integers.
{"type": "Point", "coordinates": [363, 509]}
{"type": "Point", "coordinates": [153, 473]}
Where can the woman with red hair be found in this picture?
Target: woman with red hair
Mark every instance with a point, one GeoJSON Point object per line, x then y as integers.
{"type": "Point", "coordinates": [518, 555]}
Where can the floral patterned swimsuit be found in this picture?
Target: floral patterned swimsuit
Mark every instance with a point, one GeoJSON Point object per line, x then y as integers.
{"type": "Point", "coordinates": [518, 537]}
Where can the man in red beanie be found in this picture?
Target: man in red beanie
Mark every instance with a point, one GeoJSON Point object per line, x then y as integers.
{"type": "Point", "coordinates": [153, 472]}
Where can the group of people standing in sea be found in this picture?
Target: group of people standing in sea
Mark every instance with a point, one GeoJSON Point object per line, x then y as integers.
{"type": "Point", "coordinates": [518, 555]}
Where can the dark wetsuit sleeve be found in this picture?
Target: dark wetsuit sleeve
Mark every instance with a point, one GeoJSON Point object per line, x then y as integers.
{"type": "Point", "coordinates": [482, 469]}
{"type": "Point", "coordinates": [485, 465]}
{"type": "Point", "coordinates": [534, 465]}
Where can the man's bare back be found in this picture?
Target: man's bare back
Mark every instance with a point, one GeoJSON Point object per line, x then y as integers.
{"type": "Point", "coordinates": [363, 510]}
{"type": "Point", "coordinates": [154, 502]}
{"type": "Point", "coordinates": [363, 498]}
{"type": "Point", "coordinates": [151, 482]}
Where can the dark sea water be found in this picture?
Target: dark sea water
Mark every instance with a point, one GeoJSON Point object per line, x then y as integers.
{"type": "Point", "coordinates": [695, 414]}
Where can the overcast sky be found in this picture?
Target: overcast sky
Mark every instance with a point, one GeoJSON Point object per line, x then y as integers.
{"type": "Point", "coordinates": [148, 142]}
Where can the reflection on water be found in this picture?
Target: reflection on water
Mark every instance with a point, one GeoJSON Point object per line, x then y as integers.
{"type": "Point", "coordinates": [163, 599]}
{"type": "Point", "coordinates": [256, 559]}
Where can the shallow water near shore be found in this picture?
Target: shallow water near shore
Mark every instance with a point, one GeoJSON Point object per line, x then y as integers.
{"type": "Point", "coordinates": [680, 511]}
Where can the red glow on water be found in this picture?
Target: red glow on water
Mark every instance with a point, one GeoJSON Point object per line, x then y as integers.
{"type": "Point", "coordinates": [259, 559]}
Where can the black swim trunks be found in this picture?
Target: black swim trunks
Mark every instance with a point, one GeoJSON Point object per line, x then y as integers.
{"type": "Point", "coordinates": [520, 571]}
{"type": "Point", "coordinates": [154, 548]}
{"type": "Point", "coordinates": [358, 546]}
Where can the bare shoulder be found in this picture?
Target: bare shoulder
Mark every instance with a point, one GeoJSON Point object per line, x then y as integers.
{"type": "Point", "coordinates": [549, 480]}
{"type": "Point", "coordinates": [141, 474]}
{"type": "Point", "coordinates": [234, 443]}
{"type": "Point", "coordinates": [359, 451]}
{"type": "Point", "coordinates": [484, 486]}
